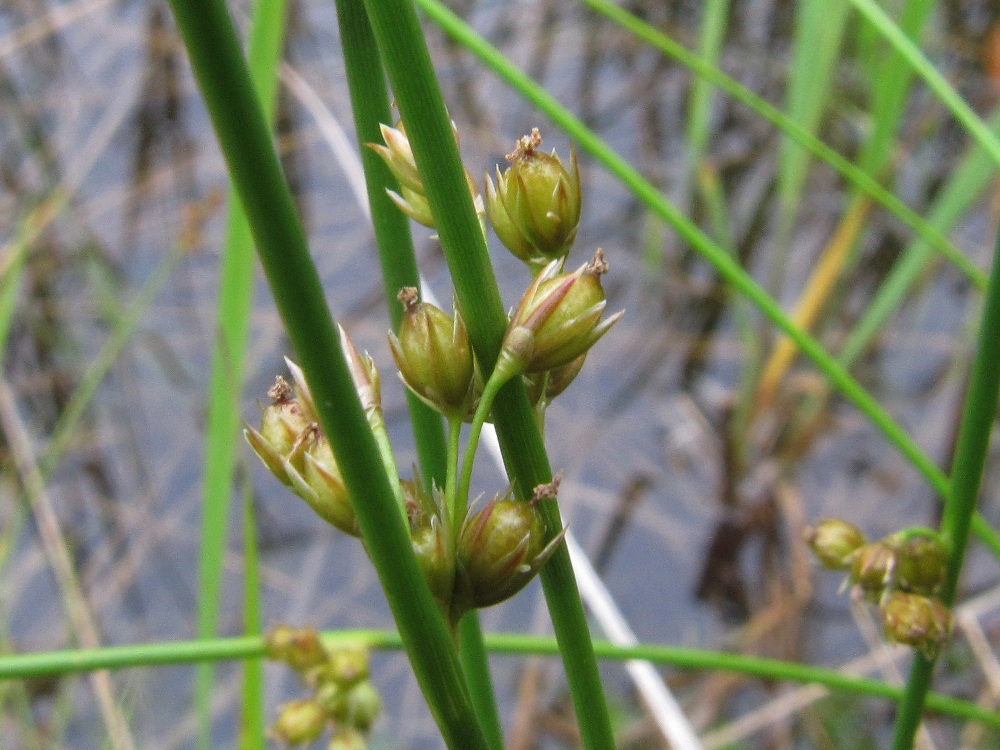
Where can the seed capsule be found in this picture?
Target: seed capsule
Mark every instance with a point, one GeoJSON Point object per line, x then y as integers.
{"type": "Point", "coordinates": [919, 621]}
{"type": "Point", "coordinates": [500, 549]}
{"type": "Point", "coordinates": [299, 648]}
{"type": "Point", "coordinates": [411, 198]}
{"type": "Point", "coordinates": [558, 319]}
{"type": "Point", "coordinates": [834, 542]}
{"type": "Point", "coordinates": [535, 205]}
{"type": "Point", "coordinates": [434, 356]}
{"type": "Point", "coordinates": [299, 722]}
{"type": "Point", "coordinates": [872, 570]}
{"type": "Point", "coordinates": [921, 560]}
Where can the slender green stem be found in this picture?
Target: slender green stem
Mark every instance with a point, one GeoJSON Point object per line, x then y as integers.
{"type": "Point", "coordinates": [438, 461]}
{"type": "Point", "coordinates": [451, 494]}
{"type": "Point", "coordinates": [23, 666]}
{"type": "Point", "coordinates": [490, 391]}
{"type": "Point", "coordinates": [370, 104]}
{"type": "Point", "coordinates": [971, 449]}
{"type": "Point", "coordinates": [472, 650]}
{"type": "Point", "coordinates": [958, 107]}
{"type": "Point", "coordinates": [220, 71]}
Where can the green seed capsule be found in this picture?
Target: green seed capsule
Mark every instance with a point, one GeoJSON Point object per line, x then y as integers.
{"type": "Point", "coordinates": [535, 205]}
{"type": "Point", "coordinates": [299, 722]}
{"type": "Point", "coordinates": [919, 621]}
{"type": "Point", "coordinates": [834, 542]}
{"type": "Point", "coordinates": [558, 319]}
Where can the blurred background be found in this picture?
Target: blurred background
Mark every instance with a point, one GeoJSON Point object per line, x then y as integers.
{"type": "Point", "coordinates": [686, 480]}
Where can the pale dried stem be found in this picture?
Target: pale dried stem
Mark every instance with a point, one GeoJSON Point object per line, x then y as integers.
{"type": "Point", "coordinates": [80, 616]}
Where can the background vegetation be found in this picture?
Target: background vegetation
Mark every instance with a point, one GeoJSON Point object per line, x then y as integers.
{"type": "Point", "coordinates": [693, 454]}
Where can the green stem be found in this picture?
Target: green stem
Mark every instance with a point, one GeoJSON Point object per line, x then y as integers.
{"type": "Point", "coordinates": [370, 104]}
{"type": "Point", "coordinates": [245, 140]}
{"type": "Point", "coordinates": [451, 494]}
{"type": "Point", "coordinates": [377, 423]}
{"type": "Point", "coordinates": [24, 666]}
{"type": "Point", "coordinates": [472, 650]}
{"type": "Point", "coordinates": [438, 461]}
{"type": "Point", "coordinates": [966, 476]}
{"type": "Point", "coordinates": [490, 390]}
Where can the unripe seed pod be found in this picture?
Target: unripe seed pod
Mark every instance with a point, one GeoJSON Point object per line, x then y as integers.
{"type": "Point", "coordinates": [549, 384]}
{"type": "Point", "coordinates": [398, 156]}
{"type": "Point", "coordinates": [921, 560]}
{"type": "Point", "coordinates": [299, 722]}
{"type": "Point", "coordinates": [431, 550]}
{"type": "Point", "coordinates": [363, 706]}
{"type": "Point", "coordinates": [500, 549]}
{"type": "Point", "coordinates": [558, 319]}
{"type": "Point", "coordinates": [872, 569]}
{"type": "Point", "coordinates": [321, 485]}
{"type": "Point", "coordinates": [919, 621]}
{"type": "Point", "coordinates": [299, 648]}
{"type": "Point", "coordinates": [834, 542]}
{"type": "Point", "coordinates": [535, 205]}
{"type": "Point", "coordinates": [347, 665]}
{"type": "Point", "coordinates": [285, 424]}
{"type": "Point", "coordinates": [434, 357]}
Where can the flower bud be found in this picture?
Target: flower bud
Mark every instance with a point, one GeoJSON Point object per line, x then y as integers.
{"type": "Point", "coordinates": [412, 200]}
{"type": "Point", "coordinates": [557, 319]}
{"type": "Point", "coordinates": [434, 357]}
{"type": "Point", "coordinates": [299, 648]}
{"type": "Point", "coordinates": [918, 621]}
{"type": "Point", "coordinates": [921, 559]}
{"type": "Point", "coordinates": [299, 722]}
{"type": "Point", "coordinates": [500, 549]}
{"type": "Point", "coordinates": [535, 205]}
{"type": "Point", "coordinates": [872, 569]}
{"type": "Point", "coordinates": [834, 542]}
{"type": "Point", "coordinates": [321, 485]}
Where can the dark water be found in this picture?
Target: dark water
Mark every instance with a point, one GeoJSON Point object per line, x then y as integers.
{"type": "Point", "coordinates": [692, 520]}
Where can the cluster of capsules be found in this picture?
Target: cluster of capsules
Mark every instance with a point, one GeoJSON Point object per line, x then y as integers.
{"type": "Point", "coordinates": [902, 574]}
{"type": "Point", "coordinates": [343, 701]}
{"type": "Point", "coordinates": [469, 559]}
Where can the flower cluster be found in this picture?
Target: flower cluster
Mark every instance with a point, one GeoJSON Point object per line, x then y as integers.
{"type": "Point", "coordinates": [901, 574]}
{"type": "Point", "coordinates": [470, 557]}
{"type": "Point", "coordinates": [343, 699]}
